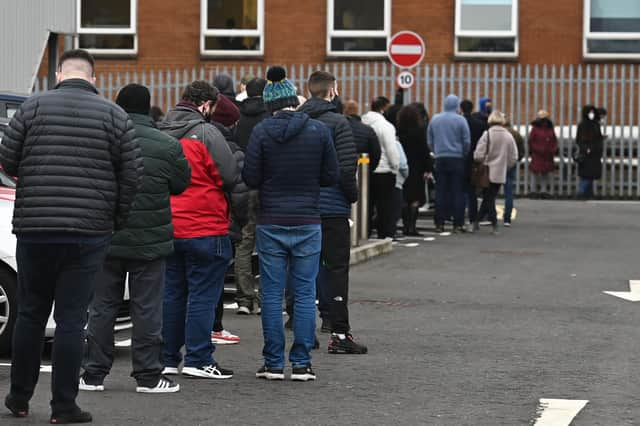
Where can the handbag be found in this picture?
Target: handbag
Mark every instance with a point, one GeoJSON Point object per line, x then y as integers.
{"type": "Point", "coordinates": [480, 171]}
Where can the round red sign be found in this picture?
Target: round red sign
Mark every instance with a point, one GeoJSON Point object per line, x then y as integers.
{"type": "Point", "coordinates": [406, 49]}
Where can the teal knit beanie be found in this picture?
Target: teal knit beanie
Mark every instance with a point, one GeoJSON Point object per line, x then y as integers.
{"type": "Point", "coordinates": [279, 93]}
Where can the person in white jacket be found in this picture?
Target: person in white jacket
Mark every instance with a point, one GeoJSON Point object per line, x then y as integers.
{"type": "Point", "coordinates": [383, 179]}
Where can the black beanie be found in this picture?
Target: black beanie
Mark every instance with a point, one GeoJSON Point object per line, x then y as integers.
{"type": "Point", "coordinates": [134, 99]}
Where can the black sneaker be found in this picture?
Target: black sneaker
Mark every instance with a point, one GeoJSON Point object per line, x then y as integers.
{"type": "Point", "coordinates": [346, 345]}
{"type": "Point", "coordinates": [164, 385]}
{"type": "Point", "coordinates": [17, 408]}
{"type": "Point", "coordinates": [326, 326]}
{"type": "Point", "coordinates": [90, 383]}
{"type": "Point", "coordinates": [76, 416]}
{"type": "Point", "coordinates": [303, 374]}
{"type": "Point", "coordinates": [270, 373]}
{"type": "Point", "coordinates": [213, 371]}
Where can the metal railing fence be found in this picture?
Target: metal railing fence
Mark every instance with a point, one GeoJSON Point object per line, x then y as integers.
{"type": "Point", "coordinates": [518, 90]}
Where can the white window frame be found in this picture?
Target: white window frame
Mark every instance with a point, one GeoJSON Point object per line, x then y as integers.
{"type": "Point", "coordinates": [206, 32]}
{"type": "Point", "coordinates": [459, 32]}
{"type": "Point", "coordinates": [332, 32]}
{"type": "Point", "coordinates": [132, 30]}
{"type": "Point", "coordinates": [588, 35]}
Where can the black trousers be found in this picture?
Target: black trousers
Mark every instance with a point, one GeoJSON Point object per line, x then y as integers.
{"type": "Point", "coordinates": [48, 273]}
{"type": "Point", "coordinates": [488, 206]}
{"type": "Point", "coordinates": [146, 290]}
{"type": "Point", "coordinates": [382, 193]}
{"type": "Point", "coordinates": [333, 277]}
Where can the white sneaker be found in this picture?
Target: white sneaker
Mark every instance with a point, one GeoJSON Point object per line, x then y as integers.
{"type": "Point", "coordinates": [507, 224]}
{"type": "Point", "coordinates": [208, 372]}
{"type": "Point", "coordinates": [243, 310]}
{"type": "Point", "coordinates": [91, 388]}
{"type": "Point", "coordinates": [170, 371]}
{"type": "Point", "coordinates": [164, 386]}
{"type": "Point", "coordinates": [224, 338]}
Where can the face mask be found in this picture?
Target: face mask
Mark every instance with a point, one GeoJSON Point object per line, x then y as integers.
{"type": "Point", "coordinates": [591, 115]}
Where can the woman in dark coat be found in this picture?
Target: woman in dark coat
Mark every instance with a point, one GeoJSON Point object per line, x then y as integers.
{"type": "Point", "coordinates": [413, 137]}
{"type": "Point", "coordinates": [543, 146]}
{"type": "Point", "coordinates": [590, 149]}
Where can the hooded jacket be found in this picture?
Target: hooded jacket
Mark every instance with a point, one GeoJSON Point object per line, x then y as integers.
{"type": "Point", "coordinates": [483, 114]}
{"type": "Point", "coordinates": [202, 210]}
{"type": "Point", "coordinates": [386, 133]}
{"type": "Point", "coordinates": [288, 158]}
{"type": "Point", "coordinates": [224, 83]}
{"type": "Point", "coordinates": [336, 201]}
{"type": "Point", "coordinates": [448, 132]}
{"type": "Point", "coordinates": [590, 145]}
{"type": "Point", "coordinates": [77, 160]}
{"type": "Point", "coordinates": [252, 112]}
{"type": "Point", "coordinates": [543, 146]}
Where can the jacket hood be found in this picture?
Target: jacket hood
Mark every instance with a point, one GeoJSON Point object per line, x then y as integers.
{"type": "Point", "coordinates": [180, 120]}
{"type": "Point", "coordinates": [451, 103]}
{"type": "Point", "coordinates": [253, 106]}
{"type": "Point", "coordinates": [373, 117]}
{"type": "Point", "coordinates": [224, 83]}
{"type": "Point", "coordinates": [587, 109]}
{"type": "Point", "coordinates": [542, 122]}
{"type": "Point", "coordinates": [316, 107]}
{"type": "Point", "coordinates": [286, 125]}
{"type": "Point", "coordinates": [483, 105]}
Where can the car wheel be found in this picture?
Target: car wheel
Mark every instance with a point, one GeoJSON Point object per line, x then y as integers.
{"type": "Point", "coordinates": [8, 309]}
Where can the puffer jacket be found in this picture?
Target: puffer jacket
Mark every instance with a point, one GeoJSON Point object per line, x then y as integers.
{"type": "Point", "coordinates": [386, 133]}
{"type": "Point", "coordinates": [366, 141]}
{"type": "Point", "coordinates": [335, 201]}
{"type": "Point", "coordinates": [289, 158]}
{"type": "Point", "coordinates": [202, 210]}
{"type": "Point", "coordinates": [148, 234]}
{"type": "Point", "coordinates": [77, 161]}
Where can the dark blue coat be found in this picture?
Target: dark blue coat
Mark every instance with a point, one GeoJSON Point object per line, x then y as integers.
{"type": "Point", "coordinates": [335, 201]}
{"type": "Point", "coordinates": [288, 158]}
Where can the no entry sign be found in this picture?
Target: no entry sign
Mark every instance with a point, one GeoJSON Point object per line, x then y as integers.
{"type": "Point", "coordinates": [406, 49]}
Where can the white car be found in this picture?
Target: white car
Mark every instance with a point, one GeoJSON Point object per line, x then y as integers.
{"type": "Point", "coordinates": [9, 274]}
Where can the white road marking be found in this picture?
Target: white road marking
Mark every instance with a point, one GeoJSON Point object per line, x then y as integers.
{"type": "Point", "coordinates": [558, 412]}
{"type": "Point", "coordinates": [445, 234]}
{"type": "Point", "coordinates": [633, 295]}
{"type": "Point", "coordinates": [429, 239]}
{"type": "Point", "coordinates": [231, 305]}
{"type": "Point", "coordinates": [43, 368]}
{"type": "Point", "coordinates": [123, 343]}
{"type": "Point", "coordinates": [120, 327]}
{"type": "Point", "coordinates": [605, 202]}
{"type": "Point", "coordinates": [411, 245]}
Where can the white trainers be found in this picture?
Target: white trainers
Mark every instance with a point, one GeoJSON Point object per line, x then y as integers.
{"type": "Point", "coordinates": [243, 310]}
{"type": "Point", "coordinates": [84, 386]}
{"type": "Point", "coordinates": [224, 338]}
{"type": "Point", "coordinates": [164, 386]}
{"type": "Point", "coordinates": [208, 372]}
{"type": "Point", "coordinates": [170, 371]}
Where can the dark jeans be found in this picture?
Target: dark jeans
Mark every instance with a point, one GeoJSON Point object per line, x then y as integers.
{"type": "Point", "coordinates": [585, 187]}
{"type": "Point", "coordinates": [333, 278]}
{"type": "Point", "coordinates": [194, 285]}
{"type": "Point", "coordinates": [508, 193]}
{"type": "Point", "coordinates": [289, 256]}
{"type": "Point", "coordinates": [146, 287]}
{"type": "Point", "coordinates": [398, 202]}
{"type": "Point", "coordinates": [472, 202]}
{"type": "Point", "coordinates": [449, 190]}
{"type": "Point", "coordinates": [382, 191]}
{"type": "Point", "coordinates": [48, 273]}
{"type": "Point", "coordinates": [488, 206]}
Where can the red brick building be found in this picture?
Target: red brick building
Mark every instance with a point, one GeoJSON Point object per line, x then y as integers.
{"type": "Point", "coordinates": [139, 35]}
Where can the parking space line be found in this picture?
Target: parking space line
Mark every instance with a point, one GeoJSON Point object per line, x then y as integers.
{"type": "Point", "coordinates": [558, 412]}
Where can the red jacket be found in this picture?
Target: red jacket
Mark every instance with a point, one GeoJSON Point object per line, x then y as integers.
{"type": "Point", "coordinates": [543, 146]}
{"type": "Point", "coordinates": [202, 210]}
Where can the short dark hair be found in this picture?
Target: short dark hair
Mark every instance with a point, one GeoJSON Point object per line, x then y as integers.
{"type": "Point", "coordinates": [200, 92]}
{"type": "Point", "coordinates": [78, 54]}
{"type": "Point", "coordinates": [379, 103]}
{"type": "Point", "coordinates": [255, 87]}
{"type": "Point", "coordinates": [466, 106]}
{"type": "Point", "coordinates": [320, 83]}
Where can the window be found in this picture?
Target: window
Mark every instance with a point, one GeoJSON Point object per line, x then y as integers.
{"type": "Point", "coordinates": [612, 29]}
{"type": "Point", "coordinates": [232, 27]}
{"type": "Point", "coordinates": [486, 28]}
{"type": "Point", "coordinates": [107, 27]}
{"type": "Point", "coordinates": [358, 27]}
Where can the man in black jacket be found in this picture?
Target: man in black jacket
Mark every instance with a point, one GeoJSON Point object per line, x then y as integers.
{"type": "Point", "coordinates": [79, 167]}
{"type": "Point", "coordinates": [364, 137]}
{"type": "Point", "coordinates": [335, 210]}
{"type": "Point", "coordinates": [139, 250]}
{"type": "Point", "coordinates": [477, 127]}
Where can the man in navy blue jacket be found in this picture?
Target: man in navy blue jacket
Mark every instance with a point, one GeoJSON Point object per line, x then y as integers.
{"type": "Point", "coordinates": [288, 158]}
{"type": "Point", "coordinates": [335, 209]}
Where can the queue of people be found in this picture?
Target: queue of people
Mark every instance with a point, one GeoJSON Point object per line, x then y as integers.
{"type": "Point", "coordinates": [167, 204]}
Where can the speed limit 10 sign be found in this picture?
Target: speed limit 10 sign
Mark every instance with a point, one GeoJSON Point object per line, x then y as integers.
{"type": "Point", "coordinates": [405, 80]}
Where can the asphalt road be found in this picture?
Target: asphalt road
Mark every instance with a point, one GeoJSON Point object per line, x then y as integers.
{"type": "Point", "coordinates": [463, 330]}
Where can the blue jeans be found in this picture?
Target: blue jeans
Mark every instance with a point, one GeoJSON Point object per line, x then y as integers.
{"type": "Point", "coordinates": [194, 284]}
{"type": "Point", "coordinates": [288, 254]}
{"type": "Point", "coordinates": [508, 193]}
{"type": "Point", "coordinates": [585, 187]}
{"type": "Point", "coordinates": [449, 190]}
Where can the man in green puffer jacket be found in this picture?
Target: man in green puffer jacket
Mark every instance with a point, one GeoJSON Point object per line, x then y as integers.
{"type": "Point", "coordinates": [138, 250]}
